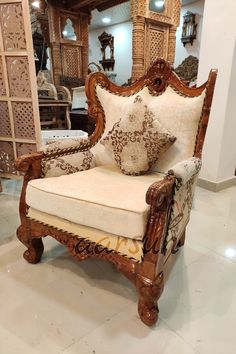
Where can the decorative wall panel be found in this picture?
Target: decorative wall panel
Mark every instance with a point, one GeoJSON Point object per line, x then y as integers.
{"type": "Point", "coordinates": [19, 114]}
{"type": "Point", "coordinates": [18, 76]}
{"type": "Point", "coordinates": [157, 45]}
{"type": "Point", "coordinates": [2, 83]}
{"type": "Point", "coordinates": [22, 149]}
{"type": "Point", "coordinates": [69, 57]}
{"type": "Point", "coordinates": [7, 157]}
{"type": "Point", "coordinates": [71, 61]}
{"type": "Point", "coordinates": [5, 126]}
{"type": "Point", "coordinates": [12, 25]}
{"type": "Point", "coordinates": [23, 120]}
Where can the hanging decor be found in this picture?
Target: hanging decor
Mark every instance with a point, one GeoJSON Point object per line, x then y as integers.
{"type": "Point", "coordinates": [107, 49]}
{"type": "Point", "coordinates": [189, 31]}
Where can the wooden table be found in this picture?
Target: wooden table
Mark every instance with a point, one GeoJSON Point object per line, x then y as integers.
{"type": "Point", "coordinates": [52, 112]}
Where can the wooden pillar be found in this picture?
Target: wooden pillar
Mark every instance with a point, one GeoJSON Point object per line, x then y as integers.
{"type": "Point", "coordinates": [138, 47]}
{"type": "Point", "coordinates": [85, 45]}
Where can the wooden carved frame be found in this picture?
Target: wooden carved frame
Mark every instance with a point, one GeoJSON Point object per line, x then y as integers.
{"type": "Point", "coordinates": [159, 38]}
{"type": "Point", "coordinates": [147, 276]}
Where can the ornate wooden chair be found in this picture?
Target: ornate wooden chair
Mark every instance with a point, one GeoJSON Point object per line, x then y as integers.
{"type": "Point", "coordinates": [135, 222]}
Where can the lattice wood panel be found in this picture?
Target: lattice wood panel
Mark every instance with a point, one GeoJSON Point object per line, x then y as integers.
{"type": "Point", "coordinates": [5, 126]}
{"type": "Point", "coordinates": [71, 61]}
{"type": "Point", "coordinates": [19, 115]}
{"type": "Point", "coordinates": [156, 45]}
{"type": "Point", "coordinates": [2, 83]}
{"type": "Point", "coordinates": [157, 39]}
{"type": "Point", "coordinates": [23, 120]}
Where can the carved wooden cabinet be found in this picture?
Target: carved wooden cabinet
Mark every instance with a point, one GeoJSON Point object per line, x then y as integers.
{"type": "Point", "coordinates": [153, 34]}
{"type": "Point", "coordinates": [69, 43]}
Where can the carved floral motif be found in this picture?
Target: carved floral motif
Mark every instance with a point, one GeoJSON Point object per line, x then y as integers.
{"type": "Point", "coordinates": [12, 25]}
{"type": "Point", "coordinates": [18, 76]}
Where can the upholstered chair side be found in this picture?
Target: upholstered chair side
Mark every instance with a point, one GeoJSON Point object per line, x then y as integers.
{"type": "Point", "coordinates": [31, 166]}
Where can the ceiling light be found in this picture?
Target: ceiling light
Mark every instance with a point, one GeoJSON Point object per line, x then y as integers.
{"type": "Point", "coordinates": [36, 4]}
{"type": "Point", "coordinates": [230, 252]}
{"type": "Point", "coordinates": [159, 3]}
{"type": "Point", "coordinates": [106, 20]}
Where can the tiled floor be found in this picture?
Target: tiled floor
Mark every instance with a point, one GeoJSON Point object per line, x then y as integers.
{"type": "Point", "coordinates": [60, 306]}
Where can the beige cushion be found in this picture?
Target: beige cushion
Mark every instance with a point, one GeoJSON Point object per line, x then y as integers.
{"type": "Point", "coordinates": [125, 246]}
{"type": "Point", "coordinates": [102, 198]}
{"type": "Point", "coordinates": [137, 139]}
{"type": "Point", "coordinates": [179, 114]}
{"type": "Point", "coordinates": [66, 164]}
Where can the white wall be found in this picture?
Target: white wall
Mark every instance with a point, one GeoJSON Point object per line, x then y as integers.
{"type": "Point", "coordinates": [122, 33]}
{"type": "Point", "coordinates": [218, 50]}
{"type": "Point", "coordinates": [183, 52]}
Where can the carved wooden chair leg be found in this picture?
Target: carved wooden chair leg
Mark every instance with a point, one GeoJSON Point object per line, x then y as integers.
{"type": "Point", "coordinates": [34, 246]}
{"type": "Point", "coordinates": [181, 240]}
{"type": "Point", "coordinates": [179, 244]}
{"type": "Point", "coordinates": [149, 293]}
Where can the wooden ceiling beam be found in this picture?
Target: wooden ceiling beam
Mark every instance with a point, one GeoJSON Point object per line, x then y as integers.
{"type": "Point", "coordinates": [109, 3]}
{"type": "Point", "coordinates": [77, 4]}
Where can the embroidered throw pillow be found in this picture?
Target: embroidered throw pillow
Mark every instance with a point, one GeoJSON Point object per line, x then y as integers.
{"type": "Point", "coordinates": [66, 164]}
{"type": "Point", "coordinates": [137, 140]}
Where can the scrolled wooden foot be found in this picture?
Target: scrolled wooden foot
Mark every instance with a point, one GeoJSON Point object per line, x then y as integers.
{"type": "Point", "coordinates": [35, 246]}
{"type": "Point", "coordinates": [148, 311]}
{"type": "Point", "coordinates": [34, 253]}
{"type": "Point", "coordinates": [149, 293]}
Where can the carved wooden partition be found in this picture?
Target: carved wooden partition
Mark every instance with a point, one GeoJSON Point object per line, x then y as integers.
{"type": "Point", "coordinates": [19, 115]}
{"type": "Point", "coordinates": [153, 34]}
{"type": "Point", "coordinates": [69, 57]}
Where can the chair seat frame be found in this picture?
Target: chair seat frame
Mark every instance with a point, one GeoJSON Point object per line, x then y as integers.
{"type": "Point", "coordinates": [148, 275]}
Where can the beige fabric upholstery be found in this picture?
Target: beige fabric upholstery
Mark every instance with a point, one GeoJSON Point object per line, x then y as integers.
{"type": "Point", "coordinates": [179, 114]}
{"type": "Point", "coordinates": [123, 245]}
{"type": "Point", "coordinates": [186, 173]}
{"type": "Point", "coordinates": [137, 140]}
{"type": "Point", "coordinates": [66, 164]}
{"type": "Point", "coordinates": [114, 107]}
{"type": "Point", "coordinates": [102, 198]}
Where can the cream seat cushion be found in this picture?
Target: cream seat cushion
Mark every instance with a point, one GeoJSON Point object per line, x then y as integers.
{"type": "Point", "coordinates": [179, 114]}
{"type": "Point", "coordinates": [102, 198]}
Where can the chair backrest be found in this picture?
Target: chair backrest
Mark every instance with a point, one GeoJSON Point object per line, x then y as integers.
{"type": "Point", "coordinates": [183, 111]}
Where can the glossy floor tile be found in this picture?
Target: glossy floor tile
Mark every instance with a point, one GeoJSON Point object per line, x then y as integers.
{"type": "Point", "coordinates": [61, 306]}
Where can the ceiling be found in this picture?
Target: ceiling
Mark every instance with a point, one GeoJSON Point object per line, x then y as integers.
{"type": "Point", "coordinates": [117, 14]}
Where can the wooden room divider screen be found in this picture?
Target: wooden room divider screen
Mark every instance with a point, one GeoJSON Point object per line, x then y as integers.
{"type": "Point", "coordinates": [19, 114]}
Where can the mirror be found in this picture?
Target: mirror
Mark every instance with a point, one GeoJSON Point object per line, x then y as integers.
{"type": "Point", "coordinates": [68, 31]}
{"type": "Point", "coordinates": [157, 5]}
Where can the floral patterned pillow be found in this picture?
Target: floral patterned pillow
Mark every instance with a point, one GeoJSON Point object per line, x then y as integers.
{"type": "Point", "coordinates": [137, 140]}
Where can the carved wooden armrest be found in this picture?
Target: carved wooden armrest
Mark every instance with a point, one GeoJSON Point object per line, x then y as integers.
{"type": "Point", "coordinates": [160, 194]}
{"type": "Point", "coordinates": [30, 162]}
{"type": "Point", "coordinates": [64, 92]}
{"type": "Point", "coordinates": [185, 170]}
